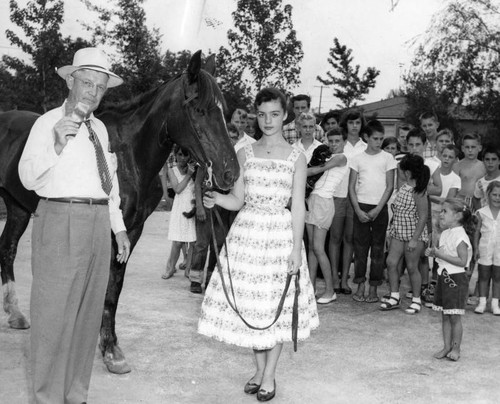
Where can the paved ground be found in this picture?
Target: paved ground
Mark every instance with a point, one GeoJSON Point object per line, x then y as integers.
{"type": "Point", "coordinates": [359, 355]}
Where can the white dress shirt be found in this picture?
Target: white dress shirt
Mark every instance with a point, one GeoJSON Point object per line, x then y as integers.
{"type": "Point", "coordinates": [73, 173]}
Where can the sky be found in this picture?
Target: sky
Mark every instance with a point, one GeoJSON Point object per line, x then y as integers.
{"type": "Point", "coordinates": [379, 34]}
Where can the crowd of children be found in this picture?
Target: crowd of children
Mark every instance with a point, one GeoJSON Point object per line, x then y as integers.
{"type": "Point", "coordinates": [401, 200]}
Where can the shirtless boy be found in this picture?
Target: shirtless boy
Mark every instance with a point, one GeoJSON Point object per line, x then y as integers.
{"type": "Point", "coordinates": [469, 169]}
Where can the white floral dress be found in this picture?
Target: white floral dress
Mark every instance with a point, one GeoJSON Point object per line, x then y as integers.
{"type": "Point", "coordinates": [259, 244]}
{"type": "Point", "coordinates": [181, 228]}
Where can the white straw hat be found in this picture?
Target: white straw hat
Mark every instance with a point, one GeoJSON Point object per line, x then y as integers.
{"type": "Point", "coordinates": [93, 59]}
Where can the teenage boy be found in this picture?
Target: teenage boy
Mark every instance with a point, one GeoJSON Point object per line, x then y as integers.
{"type": "Point", "coordinates": [305, 124]}
{"type": "Point", "coordinates": [371, 183]}
{"type": "Point", "coordinates": [429, 123]}
{"type": "Point", "coordinates": [491, 161]}
{"type": "Point", "coordinates": [469, 169]}
{"type": "Point", "coordinates": [443, 138]}
{"type": "Point", "coordinates": [301, 104]}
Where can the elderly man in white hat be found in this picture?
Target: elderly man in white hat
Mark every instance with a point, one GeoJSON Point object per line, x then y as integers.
{"type": "Point", "coordinates": [67, 162]}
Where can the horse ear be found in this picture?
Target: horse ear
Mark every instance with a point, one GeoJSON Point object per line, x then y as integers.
{"type": "Point", "coordinates": [210, 65]}
{"type": "Point", "coordinates": [194, 67]}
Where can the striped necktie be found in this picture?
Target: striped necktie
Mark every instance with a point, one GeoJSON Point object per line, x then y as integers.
{"type": "Point", "coordinates": [102, 165]}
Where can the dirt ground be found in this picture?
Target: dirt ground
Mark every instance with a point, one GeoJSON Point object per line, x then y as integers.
{"type": "Point", "coordinates": [358, 355]}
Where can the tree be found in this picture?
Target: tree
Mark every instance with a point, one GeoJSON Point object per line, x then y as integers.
{"type": "Point", "coordinates": [236, 93]}
{"type": "Point", "coordinates": [348, 85]}
{"type": "Point", "coordinates": [138, 60]}
{"type": "Point", "coordinates": [422, 96]}
{"type": "Point", "coordinates": [264, 49]}
{"type": "Point", "coordinates": [461, 49]}
{"type": "Point", "coordinates": [34, 84]}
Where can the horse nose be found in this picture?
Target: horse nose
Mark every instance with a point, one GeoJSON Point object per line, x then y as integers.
{"type": "Point", "coordinates": [228, 177]}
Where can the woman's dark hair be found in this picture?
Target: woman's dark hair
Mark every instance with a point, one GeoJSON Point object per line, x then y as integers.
{"type": "Point", "coordinates": [351, 115]}
{"type": "Point", "coordinates": [178, 148]}
{"type": "Point", "coordinates": [418, 170]}
{"type": "Point", "coordinates": [330, 114]}
{"type": "Point", "coordinates": [270, 94]}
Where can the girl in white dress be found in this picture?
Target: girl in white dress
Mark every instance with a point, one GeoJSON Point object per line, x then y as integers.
{"type": "Point", "coordinates": [264, 245]}
{"type": "Point", "coordinates": [180, 229]}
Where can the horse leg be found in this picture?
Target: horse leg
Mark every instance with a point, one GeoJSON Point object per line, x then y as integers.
{"type": "Point", "coordinates": [17, 221]}
{"type": "Point", "coordinates": [113, 357]}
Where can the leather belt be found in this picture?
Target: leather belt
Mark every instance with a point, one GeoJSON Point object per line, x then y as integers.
{"type": "Point", "coordinates": [87, 201]}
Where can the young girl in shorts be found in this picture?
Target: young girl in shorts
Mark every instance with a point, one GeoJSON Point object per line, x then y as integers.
{"type": "Point", "coordinates": [408, 231]}
{"type": "Point", "coordinates": [320, 215]}
{"type": "Point", "coordinates": [487, 248]}
{"type": "Point", "coordinates": [453, 256]}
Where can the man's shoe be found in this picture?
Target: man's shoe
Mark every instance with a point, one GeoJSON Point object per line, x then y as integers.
{"type": "Point", "coordinates": [196, 287]}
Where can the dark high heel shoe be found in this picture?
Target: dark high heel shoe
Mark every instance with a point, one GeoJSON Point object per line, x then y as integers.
{"type": "Point", "coordinates": [263, 395]}
{"type": "Point", "coordinates": [251, 388]}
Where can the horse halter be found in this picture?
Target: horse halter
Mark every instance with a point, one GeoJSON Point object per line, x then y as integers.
{"type": "Point", "coordinates": [197, 130]}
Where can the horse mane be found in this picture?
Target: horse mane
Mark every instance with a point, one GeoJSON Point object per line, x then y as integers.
{"type": "Point", "coordinates": [133, 103]}
{"type": "Point", "coordinates": [208, 94]}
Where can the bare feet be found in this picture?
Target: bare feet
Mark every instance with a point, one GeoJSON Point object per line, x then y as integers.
{"type": "Point", "coordinates": [359, 296]}
{"type": "Point", "coordinates": [454, 354]}
{"type": "Point", "coordinates": [442, 353]}
{"type": "Point", "coordinates": [168, 274]}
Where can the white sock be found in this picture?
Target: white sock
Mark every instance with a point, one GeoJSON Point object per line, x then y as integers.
{"type": "Point", "coordinates": [482, 301]}
{"type": "Point", "coordinates": [395, 295]}
{"type": "Point", "coordinates": [494, 301]}
{"type": "Point", "coordinates": [416, 300]}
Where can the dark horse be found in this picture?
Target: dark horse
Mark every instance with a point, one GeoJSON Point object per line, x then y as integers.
{"type": "Point", "coordinates": [188, 111]}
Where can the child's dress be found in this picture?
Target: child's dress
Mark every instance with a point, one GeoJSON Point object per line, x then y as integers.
{"type": "Point", "coordinates": [181, 228]}
{"type": "Point", "coordinates": [259, 244]}
{"type": "Point", "coordinates": [405, 216]}
{"type": "Point", "coordinates": [452, 286]}
{"type": "Point", "coordinates": [489, 243]}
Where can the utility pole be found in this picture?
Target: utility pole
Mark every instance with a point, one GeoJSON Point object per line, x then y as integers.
{"type": "Point", "coordinates": [320, 96]}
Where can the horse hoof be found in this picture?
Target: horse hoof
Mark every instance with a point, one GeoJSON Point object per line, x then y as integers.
{"type": "Point", "coordinates": [116, 362]}
{"type": "Point", "coordinates": [18, 321]}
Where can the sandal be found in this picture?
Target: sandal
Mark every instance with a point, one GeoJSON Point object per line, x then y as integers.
{"type": "Point", "coordinates": [390, 304]}
{"type": "Point", "coordinates": [414, 308]}
{"type": "Point", "coordinates": [358, 298]}
{"type": "Point", "coordinates": [385, 298]}
{"type": "Point", "coordinates": [371, 299]}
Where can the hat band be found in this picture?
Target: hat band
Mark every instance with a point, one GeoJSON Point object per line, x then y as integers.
{"type": "Point", "coordinates": [91, 67]}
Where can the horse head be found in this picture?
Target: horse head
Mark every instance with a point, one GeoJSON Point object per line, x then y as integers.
{"type": "Point", "coordinates": [200, 106]}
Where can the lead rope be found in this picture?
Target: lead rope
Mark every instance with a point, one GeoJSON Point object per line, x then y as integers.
{"type": "Point", "coordinates": [232, 304]}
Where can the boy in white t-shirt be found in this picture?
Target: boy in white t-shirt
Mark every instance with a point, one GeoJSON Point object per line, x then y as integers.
{"type": "Point", "coordinates": [371, 183]}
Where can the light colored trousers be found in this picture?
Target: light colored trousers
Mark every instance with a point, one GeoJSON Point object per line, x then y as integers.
{"type": "Point", "coordinates": [71, 250]}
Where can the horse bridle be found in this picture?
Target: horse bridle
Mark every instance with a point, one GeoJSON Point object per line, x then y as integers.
{"type": "Point", "coordinates": [197, 130]}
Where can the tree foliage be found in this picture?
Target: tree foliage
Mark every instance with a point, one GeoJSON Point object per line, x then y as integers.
{"type": "Point", "coordinates": [264, 49]}
{"type": "Point", "coordinates": [236, 93]}
{"type": "Point", "coordinates": [422, 96]}
{"type": "Point", "coordinates": [348, 84]}
{"type": "Point", "coordinates": [138, 56]}
{"type": "Point", "coordinates": [33, 83]}
{"type": "Point", "coordinates": [462, 51]}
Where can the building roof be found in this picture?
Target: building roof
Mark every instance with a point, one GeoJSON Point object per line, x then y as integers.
{"type": "Point", "coordinates": [392, 108]}
{"type": "Point", "coordinates": [395, 108]}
